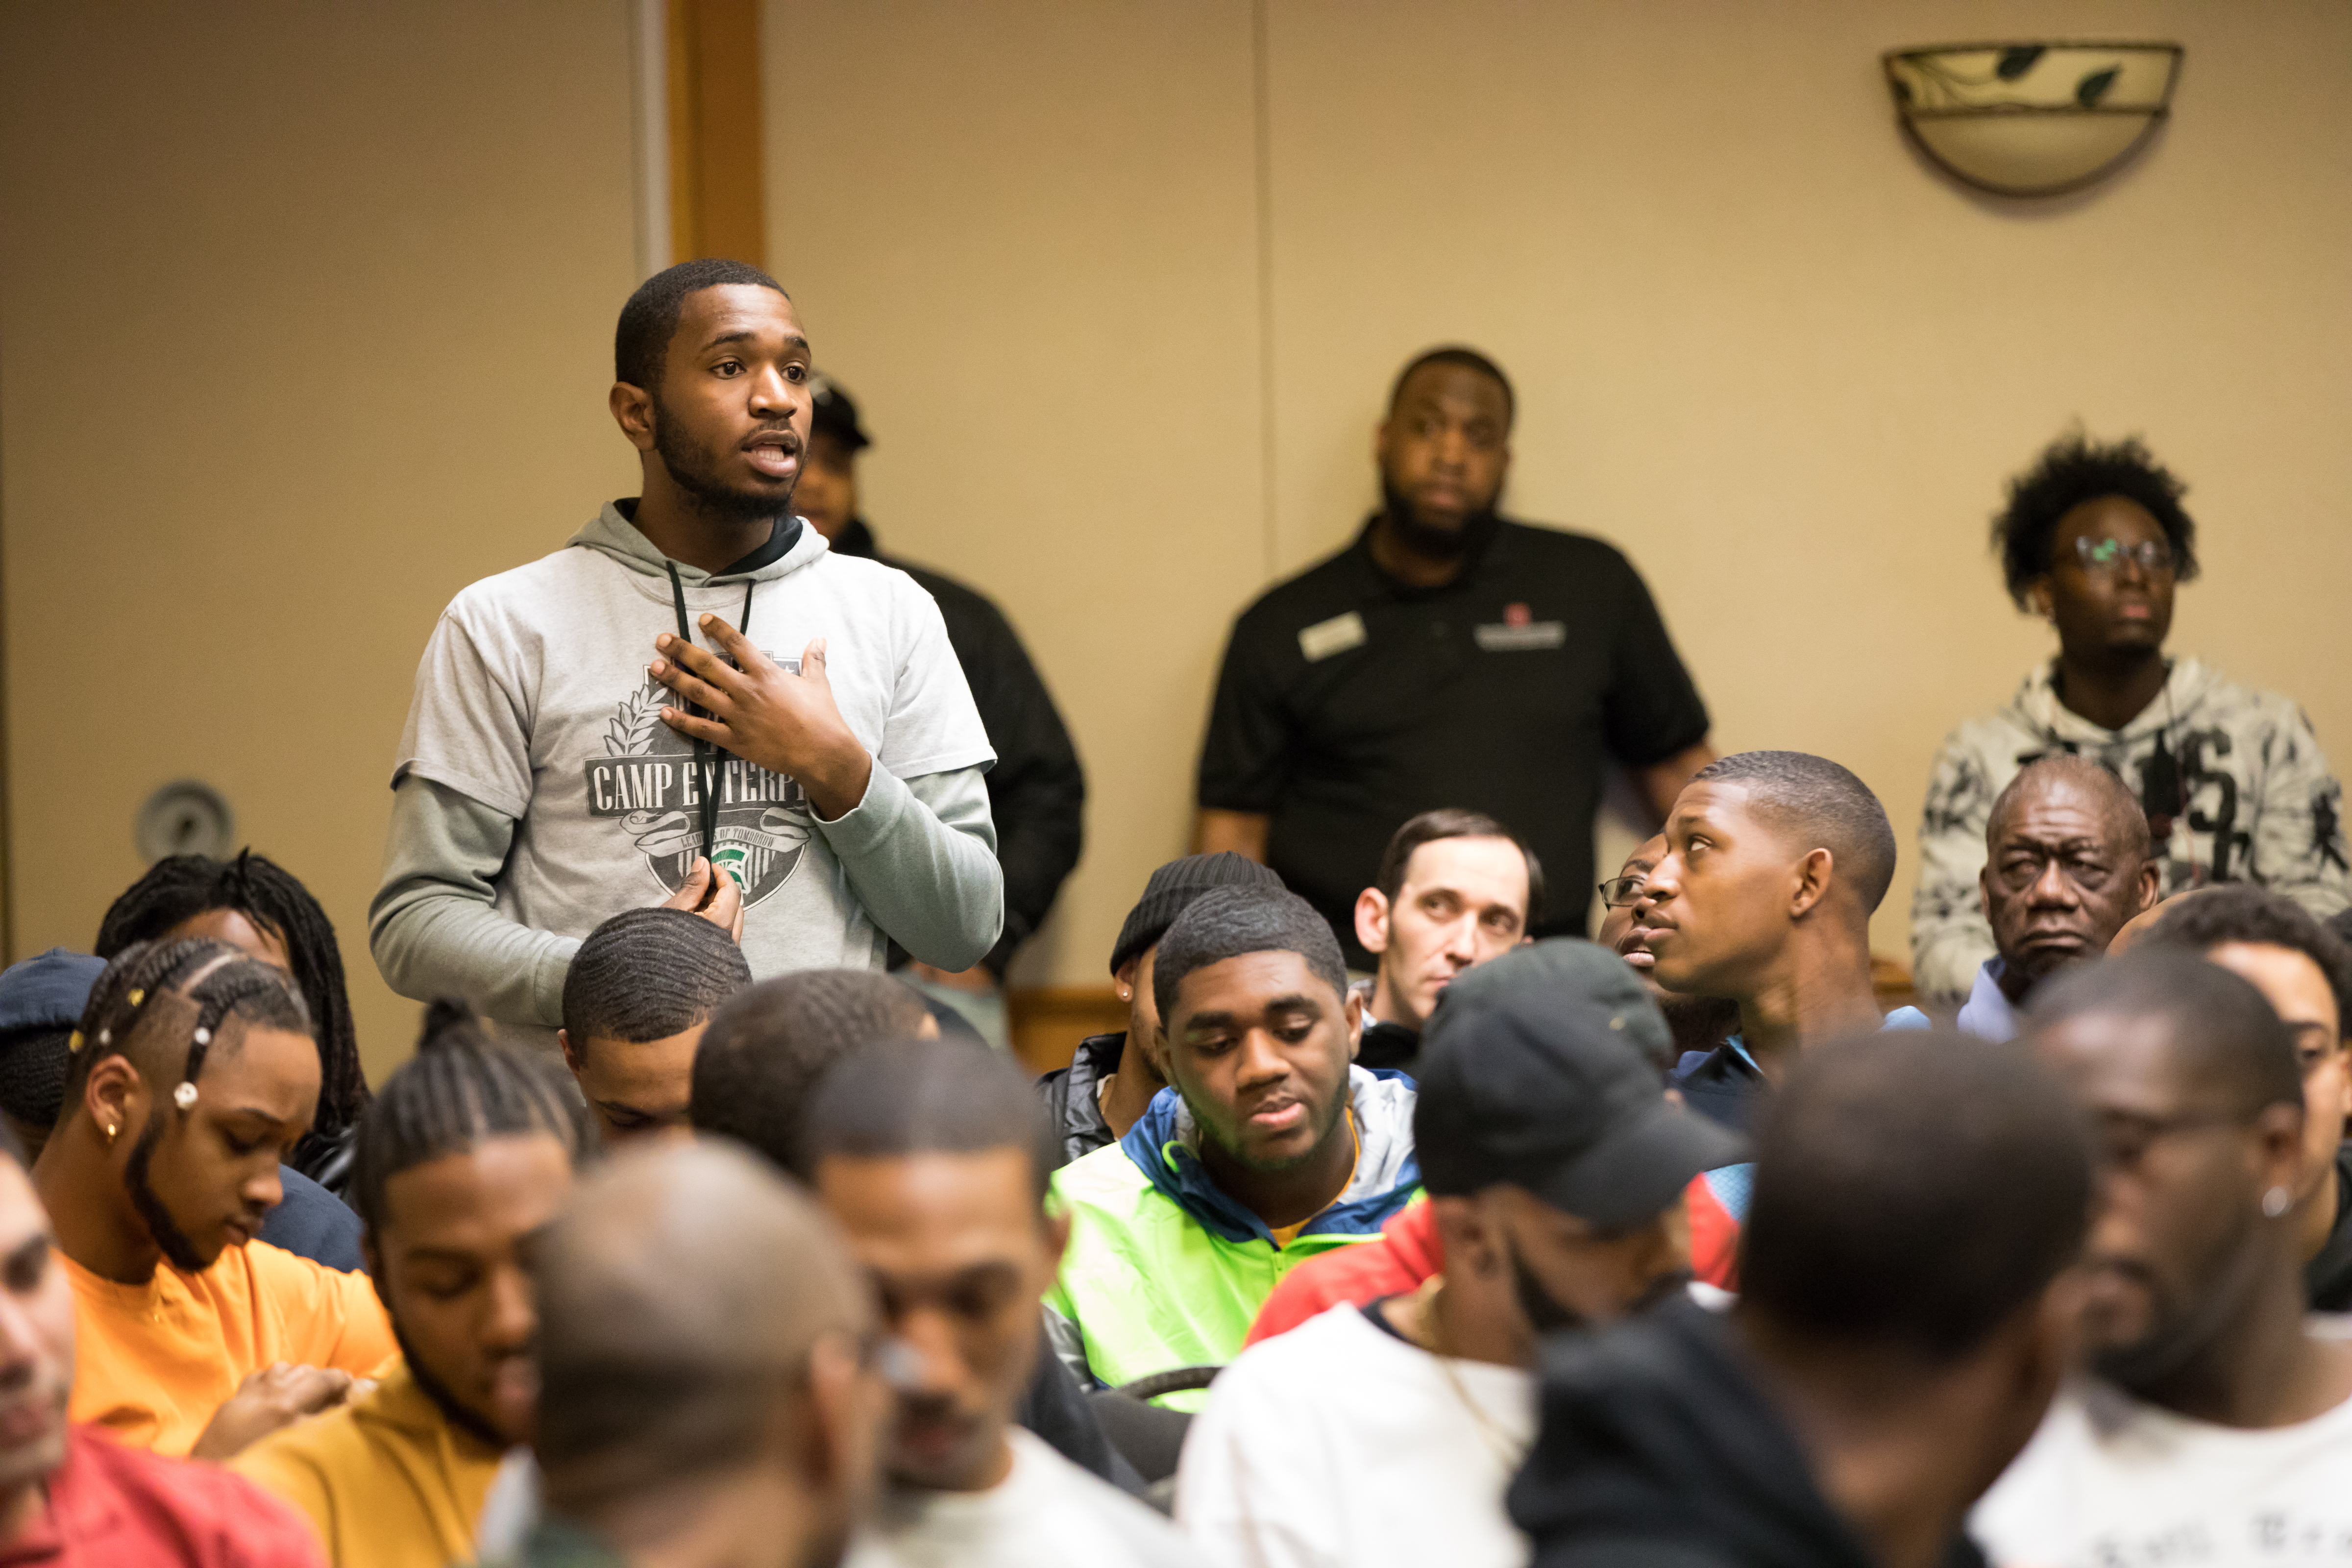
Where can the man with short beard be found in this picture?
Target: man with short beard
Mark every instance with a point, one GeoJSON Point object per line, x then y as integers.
{"type": "Point", "coordinates": [2216, 1425]}
{"type": "Point", "coordinates": [465, 1152]}
{"type": "Point", "coordinates": [192, 1076]}
{"type": "Point", "coordinates": [1448, 658]}
{"type": "Point", "coordinates": [695, 703]}
{"type": "Point", "coordinates": [2066, 868]}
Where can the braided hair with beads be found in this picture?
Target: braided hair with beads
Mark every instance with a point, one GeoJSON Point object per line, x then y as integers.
{"type": "Point", "coordinates": [462, 1088]}
{"type": "Point", "coordinates": [181, 887]}
{"type": "Point", "coordinates": [222, 984]}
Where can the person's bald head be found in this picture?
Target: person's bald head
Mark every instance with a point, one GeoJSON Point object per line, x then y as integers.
{"type": "Point", "coordinates": [2066, 866]}
{"type": "Point", "coordinates": [691, 1302]}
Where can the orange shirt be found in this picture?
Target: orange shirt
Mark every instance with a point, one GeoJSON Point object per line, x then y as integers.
{"type": "Point", "coordinates": [152, 1361]}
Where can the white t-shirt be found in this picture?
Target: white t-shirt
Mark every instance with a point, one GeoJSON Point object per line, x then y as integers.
{"type": "Point", "coordinates": [532, 697]}
{"type": "Point", "coordinates": [1339, 1444]}
{"type": "Point", "coordinates": [1047, 1513]}
{"type": "Point", "coordinates": [2112, 1483]}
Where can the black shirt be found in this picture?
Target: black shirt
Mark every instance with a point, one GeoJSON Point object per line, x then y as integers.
{"type": "Point", "coordinates": [2329, 1275]}
{"type": "Point", "coordinates": [1350, 702]}
{"type": "Point", "coordinates": [1037, 790]}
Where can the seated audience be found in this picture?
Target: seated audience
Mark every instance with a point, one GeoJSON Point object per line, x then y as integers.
{"type": "Point", "coordinates": [1555, 1169]}
{"type": "Point", "coordinates": [639, 992]}
{"type": "Point", "coordinates": [1273, 1148]}
{"type": "Point", "coordinates": [1454, 888]}
{"type": "Point", "coordinates": [1697, 1024]}
{"type": "Point", "coordinates": [1562, 974]}
{"type": "Point", "coordinates": [1905, 1318]}
{"type": "Point", "coordinates": [192, 1076]}
{"type": "Point", "coordinates": [47, 995]}
{"type": "Point", "coordinates": [2305, 975]}
{"type": "Point", "coordinates": [2232, 780]}
{"type": "Point", "coordinates": [2066, 868]}
{"type": "Point", "coordinates": [2216, 1427]}
{"type": "Point", "coordinates": [708, 1389]}
{"type": "Point", "coordinates": [68, 1496]}
{"type": "Point", "coordinates": [256, 907]}
{"type": "Point", "coordinates": [466, 1152]}
{"type": "Point", "coordinates": [932, 1157]}
{"type": "Point", "coordinates": [757, 1072]}
{"type": "Point", "coordinates": [1107, 1085]}
{"type": "Point", "coordinates": [1774, 862]}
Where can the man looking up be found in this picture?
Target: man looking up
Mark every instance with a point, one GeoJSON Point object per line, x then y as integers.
{"type": "Point", "coordinates": [465, 1152]}
{"type": "Point", "coordinates": [1448, 658]}
{"type": "Point", "coordinates": [818, 745]}
{"type": "Point", "coordinates": [1697, 1023]}
{"type": "Point", "coordinates": [70, 1497]}
{"type": "Point", "coordinates": [1774, 862]}
{"type": "Point", "coordinates": [1274, 1147]}
{"type": "Point", "coordinates": [1037, 790]}
{"type": "Point", "coordinates": [931, 1157]}
{"type": "Point", "coordinates": [2218, 1427]}
{"type": "Point", "coordinates": [640, 993]}
{"type": "Point", "coordinates": [2305, 975]}
{"type": "Point", "coordinates": [706, 1396]}
{"type": "Point", "coordinates": [1386, 1434]}
{"type": "Point", "coordinates": [1904, 1318]}
{"type": "Point", "coordinates": [2231, 781]}
{"type": "Point", "coordinates": [1454, 888]}
{"type": "Point", "coordinates": [2066, 866]}
{"type": "Point", "coordinates": [193, 1074]}
{"type": "Point", "coordinates": [1112, 1079]}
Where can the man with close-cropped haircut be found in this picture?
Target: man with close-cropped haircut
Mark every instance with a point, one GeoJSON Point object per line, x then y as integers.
{"type": "Point", "coordinates": [706, 1388]}
{"type": "Point", "coordinates": [2216, 1425]}
{"type": "Point", "coordinates": [1274, 1147]}
{"type": "Point", "coordinates": [1903, 1319]}
{"type": "Point", "coordinates": [2305, 973]}
{"type": "Point", "coordinates": [2066, 868]}
{"type": "Point", "coordinates": [639, 993]}
{"type": "Point", "coordinates": [931, 1156]}
{"type": "Point", "coordinates": [762, 1056]}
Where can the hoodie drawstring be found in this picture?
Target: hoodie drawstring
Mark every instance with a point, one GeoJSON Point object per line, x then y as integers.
{"type": "Point", "coordinates": [706, 771]}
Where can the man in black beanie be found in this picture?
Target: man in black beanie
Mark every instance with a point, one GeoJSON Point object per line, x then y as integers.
{"type": "Point", "coordinates": [1112, 1079]}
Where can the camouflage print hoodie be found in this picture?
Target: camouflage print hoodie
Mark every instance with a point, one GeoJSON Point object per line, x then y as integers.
{"type": "Point", "coordinates": [2233, 781]}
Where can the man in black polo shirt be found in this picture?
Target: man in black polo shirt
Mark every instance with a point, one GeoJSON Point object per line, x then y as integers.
{"type": "Point", "coordinates": [1036, 789]}
{"type": "Point", "coordinates": [1448, 658]}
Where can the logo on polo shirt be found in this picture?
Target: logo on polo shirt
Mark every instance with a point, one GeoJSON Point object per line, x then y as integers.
{"type": "Point", "coordinates": [1520, 632]}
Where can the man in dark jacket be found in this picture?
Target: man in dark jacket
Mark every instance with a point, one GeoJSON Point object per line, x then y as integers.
{"type": "Point", "coordinates": [1113, 1079]}
{"type": "Point", "coordinates": [1897, 1338]}
{"type": "Point", "coordinates": [1036, 790]}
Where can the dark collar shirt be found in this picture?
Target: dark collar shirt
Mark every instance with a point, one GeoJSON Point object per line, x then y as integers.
{"type": "Point", "coordinates": [1348, 702]}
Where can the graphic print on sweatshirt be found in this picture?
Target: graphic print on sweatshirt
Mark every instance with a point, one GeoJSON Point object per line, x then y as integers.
{"type": "Point", "coordinates": [647, 786]}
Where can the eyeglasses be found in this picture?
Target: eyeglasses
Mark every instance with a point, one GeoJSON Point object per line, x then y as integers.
{"type": "Point", "coordinates": [1623, 892]}
{"type": "Point", "coordinates": [2107, 557]}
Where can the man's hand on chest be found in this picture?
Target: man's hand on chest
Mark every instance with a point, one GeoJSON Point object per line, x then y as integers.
{"type": "Point", "coordinates": [765, 714]}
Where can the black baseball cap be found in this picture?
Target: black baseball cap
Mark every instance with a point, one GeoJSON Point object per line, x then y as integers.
{"type": "Point", "coordinates": [1541, 1076]}
{"type": "Point", "coordinates": [832, 413]}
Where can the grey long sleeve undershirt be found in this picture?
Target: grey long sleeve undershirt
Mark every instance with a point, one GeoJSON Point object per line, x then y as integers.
{"type": "Point", "coordinates": [921, 855]}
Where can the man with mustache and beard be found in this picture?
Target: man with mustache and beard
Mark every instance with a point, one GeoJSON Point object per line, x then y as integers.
{"type": "Point", "coordinates": [1448, 658]}
{"type": "Point", "coordinates": [1387, 1433]}
{"type": "Point", "coordinates": [465, 1152]}
{"type": "Point", "coordinates": [191, 1078]}
{"type": "Point", "coordinates": [933, 1157]}
{"type": "Point", "coordinates": [2216, 1427]}
{"type": "Point", "coordinates": [696, 703]}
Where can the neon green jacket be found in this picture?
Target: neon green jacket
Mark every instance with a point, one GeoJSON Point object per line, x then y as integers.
{"type": "Point", "coordinates": [1164, 1270]}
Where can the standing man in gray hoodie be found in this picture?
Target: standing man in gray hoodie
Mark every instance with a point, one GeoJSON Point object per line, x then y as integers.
{"type": "Point", "coordinates": [693, 702]}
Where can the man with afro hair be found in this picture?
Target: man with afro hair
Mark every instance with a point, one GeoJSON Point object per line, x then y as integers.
{"type": "Point", "coordinates": [2232, 780]}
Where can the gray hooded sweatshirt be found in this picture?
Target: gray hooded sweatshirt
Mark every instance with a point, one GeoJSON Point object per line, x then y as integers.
{"type": "Point", "coordinates": [537, 793]}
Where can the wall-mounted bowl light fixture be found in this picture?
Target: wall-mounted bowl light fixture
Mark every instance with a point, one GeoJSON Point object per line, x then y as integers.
{"type": "Point", "coordinates": [2032, 119]}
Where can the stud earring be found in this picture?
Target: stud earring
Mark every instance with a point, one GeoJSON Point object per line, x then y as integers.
{"type": "Point", "coordinates": [110, 1131]}
{"type": "Point", "coordinates": [2277, 1201]}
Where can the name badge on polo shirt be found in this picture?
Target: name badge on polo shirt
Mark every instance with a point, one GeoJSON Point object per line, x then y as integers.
{"type": "Point", "coordinates": [1338, 634]}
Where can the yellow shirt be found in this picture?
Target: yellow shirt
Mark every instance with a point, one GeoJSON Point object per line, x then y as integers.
{"type": "Point", "coordinates": [152, 1361]}
{"type": "Point", "coordinates": [386, 1480]}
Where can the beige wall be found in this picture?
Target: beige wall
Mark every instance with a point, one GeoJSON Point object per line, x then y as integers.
{"type": "Point", "coordinates": [305, 319]}
{"type": "Point", "coordinates": [1758, 343]}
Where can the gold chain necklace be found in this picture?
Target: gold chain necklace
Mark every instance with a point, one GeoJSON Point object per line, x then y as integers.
{"type": "Point", "coordinates": [1508, 1449]}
